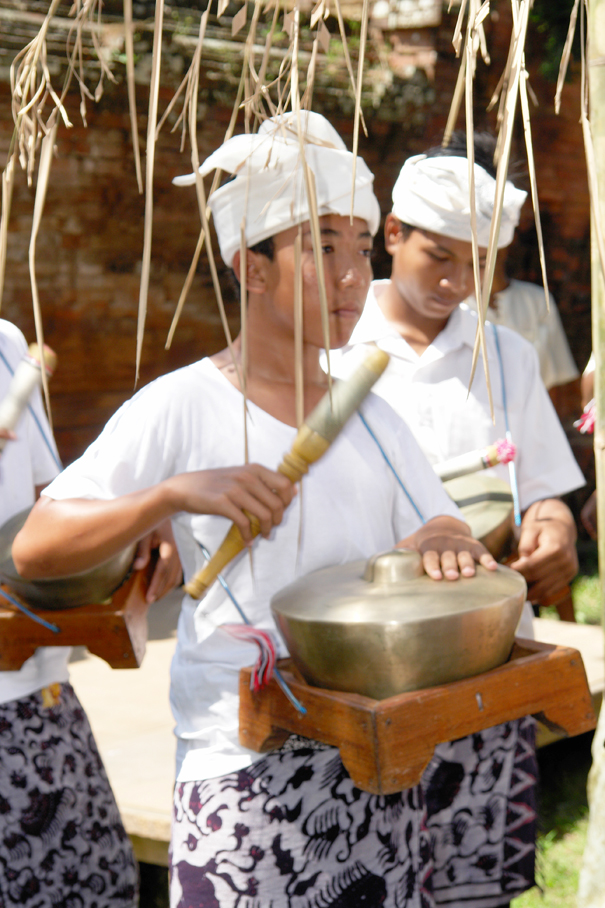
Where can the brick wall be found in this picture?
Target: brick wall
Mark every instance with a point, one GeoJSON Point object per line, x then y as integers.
{"type": "Point", "coordinates": [88, 266]}
{"type": "Point", "coordinates": [90, 243]}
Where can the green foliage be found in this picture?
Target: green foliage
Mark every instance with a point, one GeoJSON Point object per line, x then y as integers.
{"type": "Point", "coordinates": [551, 19]}
{"type": "Point", "coordinates": [586, 592]}
{"type": "Point", "coordinates": [560, 861]}
{"type": "Point", "coordinates": [585, 589]}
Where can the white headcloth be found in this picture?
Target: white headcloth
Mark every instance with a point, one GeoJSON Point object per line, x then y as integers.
{"type": "Point", "coordinates": [433, 194]}
{"type": "Point", "coordinates": [269, 186]}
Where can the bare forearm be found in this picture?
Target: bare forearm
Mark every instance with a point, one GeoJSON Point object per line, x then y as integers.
{"type": "Point", "coordinates": [64, 537]}
{"type": "Point", "coordinates": [551, 510]}
{"type": "Point", "coordinates": [547, 552]}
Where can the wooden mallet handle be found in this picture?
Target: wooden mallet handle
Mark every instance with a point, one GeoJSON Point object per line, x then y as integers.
{"type": "Point", "coordinates": [312, 440]}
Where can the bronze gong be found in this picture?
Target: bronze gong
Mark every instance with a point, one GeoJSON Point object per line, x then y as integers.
{"type": "Point", "coordinates": [383, 627]}
{"type": "Point", "coordinates": [95, 585]}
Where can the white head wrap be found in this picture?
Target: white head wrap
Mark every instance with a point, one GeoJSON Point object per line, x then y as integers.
{"type": "Point", "coordinates": [269, 186]}
{"type": "Point", "coordinates": [433, 194]}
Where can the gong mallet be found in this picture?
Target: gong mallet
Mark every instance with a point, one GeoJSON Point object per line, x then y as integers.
{"type": "Point", "coordinates": [312, 440]}
{"type": "Point", "coordinates": [502, 451]}
{"type": "Point", "coordinates": [26, 377]}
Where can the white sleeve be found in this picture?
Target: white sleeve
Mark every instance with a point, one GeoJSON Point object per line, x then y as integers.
{"type": "Point", "coordinates": [545, 464]}
{"type": "Point", "coordinates": [135, 450]}
{"type": "Point", "coordinates": [590, 365]}
{"type": "Point", "coordinates": [33, 428]}
{"type": "Point", "coordinates": [44, 454]}
{"type": "Point", "coordinates": [557, 365]}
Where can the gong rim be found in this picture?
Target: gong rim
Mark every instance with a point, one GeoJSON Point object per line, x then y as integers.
{"type": "Point", "coordinates": [70, 591]}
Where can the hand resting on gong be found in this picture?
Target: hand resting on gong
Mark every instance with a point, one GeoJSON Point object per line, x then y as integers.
{"type": "Point", "coordinates": [448, 549]}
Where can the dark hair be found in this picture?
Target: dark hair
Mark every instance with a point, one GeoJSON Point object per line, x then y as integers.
{"type": "Point", "coordinates": [406, 229]}
{"type": "Point", "coordinates": [265, 247]}
{"type": "Point", "coordinates": [485, 149]}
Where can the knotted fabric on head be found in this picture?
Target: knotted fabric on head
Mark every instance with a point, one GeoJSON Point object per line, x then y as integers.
{"type": "Point", "coordinates": [269, 185]}
{"type": "Point", "coordinates": [434, 194]}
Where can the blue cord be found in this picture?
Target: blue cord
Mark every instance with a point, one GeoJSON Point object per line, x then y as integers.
{"type": "Point", "coordinates": [392, 468]}
{"type": "Point", "coordinates": [26, 611]}
{"type": "Point", "coordinates": [511, 466]}
{"type": "Point", "coordinates": [35, 418]}
{"type": "Point", "coordinates": [278, 675]}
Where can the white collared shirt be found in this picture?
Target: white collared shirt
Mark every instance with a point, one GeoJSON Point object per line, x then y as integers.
{"type": "Point", "coordinates": [431, 393]}
{"type": "Point", "coordinates": [350, 507]}
{"type": "Point", "coordinates": [522, 307]}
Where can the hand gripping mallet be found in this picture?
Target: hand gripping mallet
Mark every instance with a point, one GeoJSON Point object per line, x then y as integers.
{"type": "Point", "coordinates": [312, 440]}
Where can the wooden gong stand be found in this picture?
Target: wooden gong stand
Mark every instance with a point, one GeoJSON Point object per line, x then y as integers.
{"type": "Point", "coordinates": [116, 630]}
{"type": "Point", "coordinates": [386, 744]}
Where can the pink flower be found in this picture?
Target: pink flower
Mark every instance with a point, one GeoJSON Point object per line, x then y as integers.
{"type": "Point", "coordinates": [585, 424]}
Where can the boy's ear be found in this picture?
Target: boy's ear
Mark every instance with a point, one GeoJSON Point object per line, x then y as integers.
{"type": "Point", "coordinates": [255, 275]}
{"type": "Point", "coordinates": [392, 233]}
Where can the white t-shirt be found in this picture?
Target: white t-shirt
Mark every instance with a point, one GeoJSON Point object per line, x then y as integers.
{"type": "Point", "coordinates": [349, 507]}
{"type": "Point", "coordinates": [431, 393]}
{"type": "Point", "coordinates": [25, 464]}
{"type": "Point", "coordinates": [522, 307]}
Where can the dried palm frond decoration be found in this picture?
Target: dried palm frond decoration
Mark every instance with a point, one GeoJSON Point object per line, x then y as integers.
{"type": "Point", "coordinates": [511, 90]}
{"type": "Point", "coordinates": [278, 71]}
{"type": "Point", "coordinates": [591, 163]}
{"type": "Point", "coordinates": [37, 108]}
{"type": "Point", "coordinates": [264, 91]}
{"type": "Point", "coordinates": [35, 129]}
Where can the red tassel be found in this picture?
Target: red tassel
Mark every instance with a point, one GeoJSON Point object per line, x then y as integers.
{"type": "Point", "coordinates": [265, 664]}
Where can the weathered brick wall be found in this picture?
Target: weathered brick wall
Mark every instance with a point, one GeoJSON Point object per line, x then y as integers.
{"type": "Point", "coordinates": [90, 244]}
{"type": "Point", "coordinates": [88, 266]}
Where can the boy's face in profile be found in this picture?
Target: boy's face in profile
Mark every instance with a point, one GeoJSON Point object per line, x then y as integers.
{"type": "Point", "coordinates": [346, 247]}
{"type": "Point", "coordinates": [432, 273]}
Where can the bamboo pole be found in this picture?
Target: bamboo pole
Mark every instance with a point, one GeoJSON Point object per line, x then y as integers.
{"type": "Point", "coordinates": [595, 58]}
{"type": "Point", "coordinates": [592, 875]}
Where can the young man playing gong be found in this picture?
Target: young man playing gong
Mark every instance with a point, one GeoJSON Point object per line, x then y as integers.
{"type": "Point", "coordinates": [483, 832]}
{"type": "Point", "coordinates": [287, 829]}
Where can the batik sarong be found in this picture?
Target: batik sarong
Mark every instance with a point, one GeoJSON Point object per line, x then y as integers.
{"type": "Point", "coordinates": [292, 831]}
{"type": "Point", "coordinates": [480, 798]}
{"type": "Point", "coordinates": [62, 842]}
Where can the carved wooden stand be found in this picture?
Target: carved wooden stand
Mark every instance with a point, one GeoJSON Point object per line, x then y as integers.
{"type": "Point", "coordinates": [386, 744]}
{"type": "Point", "coordinates": [116, 631]}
